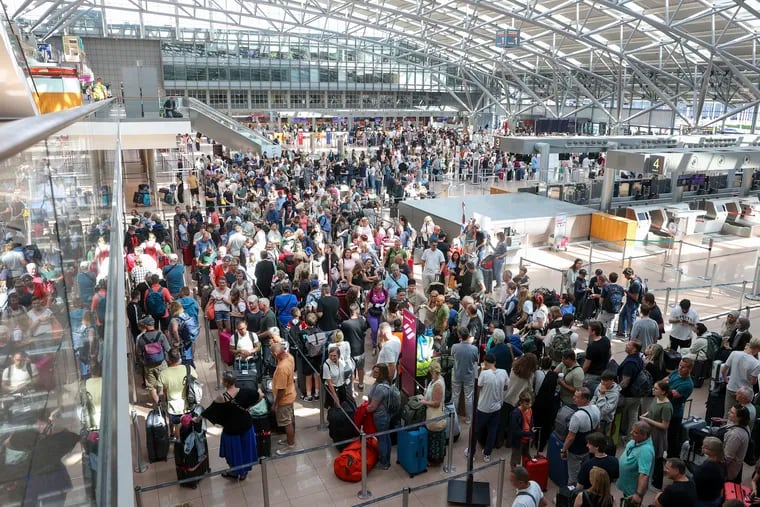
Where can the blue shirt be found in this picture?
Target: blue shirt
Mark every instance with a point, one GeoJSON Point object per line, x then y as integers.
{"type": "Point", "coordinates": [392, 285]}
{"type": "Point", "coordinates": [636, 459]}
{"type": "Point", "coordinates": [175, 278]}
{"type": "Point", "coordinates": [684, 386]}
{"type": "Point", "coordinates": [190, 306]}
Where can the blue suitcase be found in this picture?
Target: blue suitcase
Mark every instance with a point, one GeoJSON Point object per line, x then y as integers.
{"type": "Point", "coordinates": [557, 465]}
{"type": "Point", "coordinates": [413, 450]}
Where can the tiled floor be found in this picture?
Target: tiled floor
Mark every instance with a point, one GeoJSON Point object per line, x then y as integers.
{"type": "Point", "coordinates": [308, 479]}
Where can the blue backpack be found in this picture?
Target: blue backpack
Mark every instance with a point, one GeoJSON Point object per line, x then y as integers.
{"type": "Point", "coordinates": [154, 303]}
{"type": "Point", "coordinates": [614, 299]}
{"type": "Point", "coordinates": [188, 329]}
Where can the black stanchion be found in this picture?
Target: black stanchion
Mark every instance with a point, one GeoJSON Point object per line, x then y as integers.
{"type": "Point", "coordinates": [469, 492]}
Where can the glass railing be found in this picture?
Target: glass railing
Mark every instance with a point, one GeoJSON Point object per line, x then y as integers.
{"type": "Point", "coordinates": [267, 147]}
{"type": "Point", "coordinates": [61, 306]}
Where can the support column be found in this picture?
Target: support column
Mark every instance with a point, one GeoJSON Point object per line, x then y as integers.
{"type": "Point", "coordinates": [608, 185]}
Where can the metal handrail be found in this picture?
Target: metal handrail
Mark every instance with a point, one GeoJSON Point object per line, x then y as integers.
{"type": "Point", "coordinates": [16, 136]}
{"type": "Point", "coordinates": [746, 309]}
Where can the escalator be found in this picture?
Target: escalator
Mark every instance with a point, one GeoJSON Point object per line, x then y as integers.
{"type": "Point", "coordinates": [222, 128]}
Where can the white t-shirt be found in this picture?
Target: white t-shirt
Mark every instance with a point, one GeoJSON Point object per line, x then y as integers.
{"type": "Point", "coordinates": [19, 376]}
{"type": "Point", "coordinates": [682, 329]}
{"type": "Point", "coordinates": [432, 260]}
{"type": "Point", "coordinates": [528, 497]}
{"type": "Point", "coordinates": [491, 383]}
{"type": "Point", "coordinates": [741, 367]}
{"type": "Point", "coordinates": [247, 342]}
{"type": "Point", "coordinates": [582, 423]}
{"type": "Point", "coordinates": [390, 351]}
{"type": "Point", "coordinates": [333, 372]}
{"type": "Point", "coordinates": [44, 327]}
{"type": "Point", "coordinates": [221, 306]}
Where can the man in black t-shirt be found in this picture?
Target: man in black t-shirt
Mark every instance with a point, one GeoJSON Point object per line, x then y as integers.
{"type": "Point", "coordinates": [355, 332]}
{"type": "Point", "coordinates": [598, 354]}
{"type": "Point", "coordinates": [682, 492]}
{"type": "Point", "coordinates": [327, 310]}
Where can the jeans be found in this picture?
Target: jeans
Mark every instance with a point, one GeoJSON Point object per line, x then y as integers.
{"type": "Point", "coordinates": [498, 267]}
{"type": "Point", "coordinates": [627, 318]}
{"type": "Point", "coordinates": [469, 390]}
{"type": "Point", "coordinates": [382, 423]}
{"type": "Point", "coordinates": [488, 421]}
{"type": "Point", "coordinates": [574, 466]}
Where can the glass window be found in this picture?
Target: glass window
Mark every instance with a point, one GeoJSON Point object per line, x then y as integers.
{"type": "Point", "coordinates": [196, 73]}
{"type": "Point", "coordinates": [353, 100]}
{"type": "Point", "coordinates": [259, 100]}
{"type": "Point", "coordinates": [239, 100]}
{"type": "Point", "coordinates": [279, 99]}
{"type": "Point", "coordinates": [218, 98]}
{"type": "Point", "coordinates": [317, 100]}
{"type": "Point", "coordinates": [169, 72]}
{"type": "Point", "coordinates": [297, 100]}
{"type": "Point", "coordinates": [198, 94]}
{"type": "Point", "coordinates": [335, 100]}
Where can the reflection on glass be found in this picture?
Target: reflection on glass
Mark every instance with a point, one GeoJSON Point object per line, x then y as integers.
{"type": "Point", "coordinates": [54, 229]}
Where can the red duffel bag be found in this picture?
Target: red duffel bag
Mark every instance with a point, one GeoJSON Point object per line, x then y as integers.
{"type": "Point", "coordinates": [348, 464]}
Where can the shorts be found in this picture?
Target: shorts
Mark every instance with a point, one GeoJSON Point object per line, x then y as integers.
{"type": "Point", "coordinates": [284, 415]}
{"type": "Point", "coordinates": [316, 366]}
{"type": "Point", "coordinates": [194, 191]}
{"type": "Point", "coordinates": [221, 316]}
{"type": "Point", "coordinates": [151, 375]}
{"type": "Point", "coordinates": [358, 362]}
{"type": "Point", "coordinates": [174, 419]}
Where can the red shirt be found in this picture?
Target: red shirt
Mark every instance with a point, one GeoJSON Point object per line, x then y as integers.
{"type": "Point", "coordinates": [164, 291]}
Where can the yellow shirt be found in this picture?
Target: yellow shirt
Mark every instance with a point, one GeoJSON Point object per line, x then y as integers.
{"type": "Point", "coordinates": [99, 91]}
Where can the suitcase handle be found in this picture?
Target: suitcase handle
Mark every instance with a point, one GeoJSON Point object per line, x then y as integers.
{"type": "Point", "coordinates": [690, 401]}
{"type": "Point", "coordinates": [536, 438]}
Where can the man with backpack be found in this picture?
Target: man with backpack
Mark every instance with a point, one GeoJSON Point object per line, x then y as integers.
{"type": "Point", "coordinates": [632, 301]}
{"type": "Point", "coordinates": [611, 300]}
{"type": "Point", "coordinates": [152, 349]}
{"type": "Point", "coordinates": [184, 330]}
{"type": "Point", "coordinates": [632, 388]}
{"type": "Point", "coordinates": [178, 381]}
{"type": "Point", "coordinates": [157, 299]}
{"type": "Point", "coordinates": [560, 339]}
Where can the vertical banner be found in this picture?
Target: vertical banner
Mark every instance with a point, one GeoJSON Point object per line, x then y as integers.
{"type": "Point", "coordinates": [408, 360]}
{"type": "Point", "coordinates": [328, 137]}
{"type": "Point", "coordinates": [300, 137]}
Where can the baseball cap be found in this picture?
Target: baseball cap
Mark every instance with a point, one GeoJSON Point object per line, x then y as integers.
{"type": "Point", "coordinates": [147, 321]}
{"type": "Point", "coordinates": [582, 272]}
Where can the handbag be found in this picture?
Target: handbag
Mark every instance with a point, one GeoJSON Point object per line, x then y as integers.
{"type": "Point", "coordinates": [432, 413]}
{"type": "Point", "coordinates": [210, 313]}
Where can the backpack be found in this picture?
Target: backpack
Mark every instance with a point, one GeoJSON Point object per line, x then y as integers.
{"type": "Point", "coordinates": [414, 411]}
{"type": "Point", "coordinates": [614, 300]}
{"type": "Point", "coordinates": [154, 303]}
{"type": "Point", "coordinates": [394, 402]}
{"type": "Point", "coordinates": [315, 343]}
{"type": "Point", "coordinates": [714, 341]}
{"type": "Point", "coordinates": [560, 343]}
{"type": "Point", "coordinates": [153, 351]}
{"type": "Point", "coordinates": [641, 385]}
{"type": "Point", "coordinates": [193, 389]}
{"type": "Point", "coordinates": [188, 330]}
{"type": "Point", "coordinates": [750, 458]}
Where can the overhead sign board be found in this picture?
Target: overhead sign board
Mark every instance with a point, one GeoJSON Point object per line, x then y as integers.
{"type": "Point", "coordinates": [509, 38]}
{"type": "Point", "coordinates": [655, 165]}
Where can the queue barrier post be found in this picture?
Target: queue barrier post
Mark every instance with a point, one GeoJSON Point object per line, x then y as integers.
{"type": "Point", "coordinates": [217, 365]}
{"type": "Point", "coordinates": [741, 297]}
{"type": "Point", "coordinates": [138, 496]}
{"type": "Point", "coordinates": [364, 493]}
{"type": "Point", "coordinates": [500, 486]}
{"type": "Point", "coordinates": [712, 281]}
{"type": "Point", "coordinates": [264, 481]}
{"type": "Point", "coordinates": [405, 497]}
{"type": "Point", "coordinates": [449, 468]}
{"type": "Point", "coordinates": [709, 255]}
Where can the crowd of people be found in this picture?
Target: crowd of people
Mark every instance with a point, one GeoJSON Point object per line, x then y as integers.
{"type": "Point", "coordinates": [296, 272]}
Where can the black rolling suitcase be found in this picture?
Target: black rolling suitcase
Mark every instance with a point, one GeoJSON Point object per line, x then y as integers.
{"type": "Point", "coordinates": [340, 422]}
{"type": "Point", "coordinates": [137, 198]}
{"type": "Point", "coordinates": [192, 462]}
{"type": "Point", "coordinates": [157, 435]}
{"type": "Point", "coordinates": [701, 370]}
{"type": "Point", "coordinates": [716, 402]}
{"type": "Point", "coordinates": [247, 374]}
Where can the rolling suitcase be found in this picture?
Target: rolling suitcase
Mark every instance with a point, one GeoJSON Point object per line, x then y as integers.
{"type": "Point", "coordinates": [146, 199]}
{"type": "Point", "coordinates": [448, 409]}
{"type": "Point", "coordinates": [537, 466]}
{"type": "Point", "coordinates": [557, 465]}
{"type": "Point", "coordinates": [247, 376]}
{"type": "Point", "coordinates": [137, 198]}
{"type": "Point", "coordinates": [715, 380]}
{"type": "Point", "coordinates": [264, 443]}
{"type": "Point", "coordinates": [412, 450]}
{"type": "Point", "coordinates": [195, 462]}
{"type": "Point", "coordinates": [734, 491]}
{"type": "Point", "coordinates": [225, 337]}
{"type": "Point", "coordinates": [340, 422]}
{"type": "Point", "coordinates": [716, 402]}
{"type": "Point", "coordinates": [700, 372]}
{"type": "Point", "coordinates": [157, 436]}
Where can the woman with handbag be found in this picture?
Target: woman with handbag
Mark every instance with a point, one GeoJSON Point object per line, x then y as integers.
{"type": "Point", "coordinates": [435, 394]}
{"type": "Point", "coordinates": [332, 374]}
{"type": "Point", "coordinates": [230, 411]}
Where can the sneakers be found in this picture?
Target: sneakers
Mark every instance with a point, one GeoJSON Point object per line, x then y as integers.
{"type": "Point", "coordinates": [285, 450]}
{"type": "Point", "coordinates": [486, 458]}
{"type": "Point", "coordinates": [282, 441]}
{"type": "Point", "coordinates": [374, 351]}
{"type": "Point", "coordinates": [466, 452]}
{"type": "Point", "coordinates": [385, 467]}
{"type": "Point", "coordinates": [468, 421]}
{"type": "Point", "coordinates": [360, 386]}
